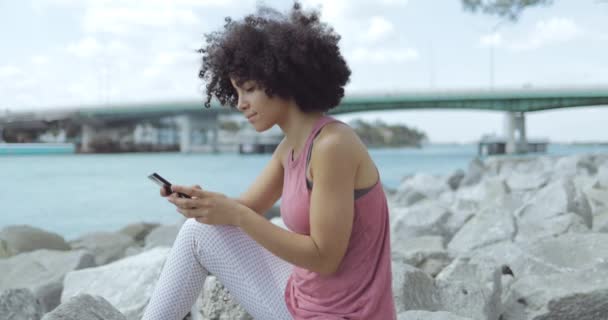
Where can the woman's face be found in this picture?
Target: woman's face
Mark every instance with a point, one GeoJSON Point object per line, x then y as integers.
{"type": "Point", "coordinates": [262, 111]}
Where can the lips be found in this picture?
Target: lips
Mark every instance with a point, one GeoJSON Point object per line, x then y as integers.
{"type": "Point", "coordinates": [251, 116]}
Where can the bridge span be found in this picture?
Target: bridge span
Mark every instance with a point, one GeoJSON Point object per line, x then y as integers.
{"type": "Point", "coordinates": [191, 115]}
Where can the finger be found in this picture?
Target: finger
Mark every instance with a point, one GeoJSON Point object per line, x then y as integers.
{"type": "Point", "coordinates": [190, 191]}
{"type": "Point", "coordinates": [196, 186]}
{"type": "Point", "coordinates": [163, 193]}
{"type": "Point", "coordinates": [183, 202]}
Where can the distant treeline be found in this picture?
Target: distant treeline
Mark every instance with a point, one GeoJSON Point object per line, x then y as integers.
{"type": "Point", "coordinates": [380, 134]}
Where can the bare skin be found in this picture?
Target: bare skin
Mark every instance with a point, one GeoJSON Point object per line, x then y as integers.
{"type": "Point", "coordinates": [339, 164]}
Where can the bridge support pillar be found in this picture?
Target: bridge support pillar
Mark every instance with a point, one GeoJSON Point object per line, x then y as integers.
{"type": "Point", "coordinates": [515, 132]}
{"type": "Point", "coordinates": [215, 139]}
{"type": "Point", "coordinates": [185, 134]}
{"type": "Point", "coordinates": [87, 134]}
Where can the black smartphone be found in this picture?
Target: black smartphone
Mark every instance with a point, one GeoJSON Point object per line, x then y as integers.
{"type": "Point", "coordinates": [165, 184]}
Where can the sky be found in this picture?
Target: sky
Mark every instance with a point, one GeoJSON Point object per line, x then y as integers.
{"type": "Point", "coordinates": [70, 53]}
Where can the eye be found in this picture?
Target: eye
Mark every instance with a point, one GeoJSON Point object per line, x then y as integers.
{"type": "Point", "coordinates": [250, 89]}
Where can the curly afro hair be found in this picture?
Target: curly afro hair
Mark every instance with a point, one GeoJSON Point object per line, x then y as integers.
{"type": "Point", "coordinates": [293, 56]}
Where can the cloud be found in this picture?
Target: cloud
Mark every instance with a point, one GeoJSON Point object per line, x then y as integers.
{"type": "Point", "coordinates": [40, 59]}
{"type": "Point", "coordinates": [89, 47]}
{"type": "Point", "coordinates": [379, 28]}
{"type": "Point", "coordinates": [491, 40]}
{"type": "Point", "coordinates": [86, 47]}
{"type": "Point", "coordinates": [9, 71]}
{"type": "Point", "coordinates": [383, 55]}
{"type": "Point", "coordinates": [553, 31]}
{"type": "Point", "coordinates": [545, 33]}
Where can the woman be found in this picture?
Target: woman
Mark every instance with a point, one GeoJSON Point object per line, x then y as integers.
{"type": "Point", "coordinates": [334, 261]}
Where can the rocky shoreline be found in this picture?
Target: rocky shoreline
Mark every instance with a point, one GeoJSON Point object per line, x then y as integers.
{"type": "Point", "coordinates": [508, 239]}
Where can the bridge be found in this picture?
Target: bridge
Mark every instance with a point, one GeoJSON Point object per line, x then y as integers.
{"type": "Point", "coordinates": [191, 115]}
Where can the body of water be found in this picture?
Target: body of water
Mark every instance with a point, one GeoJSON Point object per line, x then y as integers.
{"type": "Point", "coordinates": [75, 194]}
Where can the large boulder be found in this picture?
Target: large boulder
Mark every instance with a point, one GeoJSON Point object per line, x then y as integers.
{"type": "Point", "coordinates": [427, 253]}
{"type": "Point", "coordinates": [163, 236]}
{"type": "Point", "coordinates": [19, 304]}
{"type": "Point", "coordinates": [415, 290]}
{"type": "Point", "coordinates": [217, 303]}
{"type": "Point", "coordinates": [42, 272]}
{"type": "Point", "coordinates": [424, 219]}
{"type": "Point", "coordinates": [105, 246]}
{"type": "Point", "coordinates": [127, 284]}
{"type": "Point", "coordinates": [21, 238]}
{"type": "Point", "coordinates": [85, 307]}
{"type": "Point", "coordinates": [581, 295]}
{"type": "Point", "coordinates": [559, 197]}
{"type": "Point", "coordinates": [429, 315]}
{"type": "Point", "coordinates": [139, 231]}
{"type": "Point", "coordinates": [489, 226]}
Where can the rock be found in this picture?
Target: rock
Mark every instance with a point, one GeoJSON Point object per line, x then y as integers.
{"type": "Point", "coordinates": [42, 272]}
{"type": "Point", "coordinates": [485, 277]}
{"type": "Point", "coordinates": [455, 179]}
{"type": "Point", "coordinates": [598, 200]}
{"type": "Point", "coordinates": [489, 226]}
{"type": "Point", "coordinates": [429, 315]}
{"type": "Point", "coordinates": [566, 253]}
{"type": "Point", "coordinates": [138, 231]}
{"type": "Point", "coordinates": [415, 290]}
{"type": "Point", "coordinates": [412, 288]}
{"type": "Point", "coordinates": [85, 307]}
{"type": "Point", "coordinates": [105, 246]}
{"type": "Point", "coordinates": [488, 193]}
{"type": "Point", "coordinates": [602, 177]}
{"type": "Point", "coordinates": [127, 284]}
{"type": "Point", "coordinates": [217, 303]}
{"type": "Point", "coordinates": [274, 212]}
{"type": "Point", "coordinates": [426, 253]}
{"type": "Point", "coordinates": [529, 230]}
{"type": "Point", "coordinates": [557, 198]}
{"type": "Point", "coordinates": [408, 198]}
{"type": "Point", "coordinates": [19, 304]}
{"type": "Point", "coordinates": [423, 219]}
{"type": "Point", "coordinates": [18, 239]}
{"type": "Point", "coordinates": [569, 295]}
{"type": "Point", "coordinates": [474, 173]}
{"type": "Point", "coordinates": [462, 211]}
{"type": "Point", "coordinates": [426, 185]}
{"type": "Point", "coordinates": [600, 222]}
{"type": "Point", "coordinates": [162, 236]}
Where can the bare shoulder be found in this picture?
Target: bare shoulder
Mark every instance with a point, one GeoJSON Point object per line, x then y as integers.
{"type": "Point", "coordinates": [337, 132]}
{"type": "Point", "coordinates": [339, 140]}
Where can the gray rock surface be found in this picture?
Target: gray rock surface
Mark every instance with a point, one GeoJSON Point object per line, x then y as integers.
{"type": "Point", "coordinates": [127, 284]}
{"type": "Point", "coordinates": [429, 315]}
{"type": "Point", "coordinates": [85, 307]}
{"type": "Point", "coordinates": [42, 272]}
{"type": "Point", "coordinates": [217, 303]}
{"type": "Point", "coordinates": [162, 236]}
{"type": "Point", "coordinates": [18, 239]}
{"type": "Point", "coordinates": [19, 304]}
{"type": "Point", "coordinates": [105, 246]}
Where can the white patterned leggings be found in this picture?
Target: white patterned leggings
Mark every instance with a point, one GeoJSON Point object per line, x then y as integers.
{"type": "Point", "coordinates": [255, 278]}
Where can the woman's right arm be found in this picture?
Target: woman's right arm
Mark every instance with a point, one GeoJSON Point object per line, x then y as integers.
{"type": "Point", "coordinates": [266, 190]}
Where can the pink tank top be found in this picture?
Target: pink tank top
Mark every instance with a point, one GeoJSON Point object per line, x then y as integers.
{"type": "Point", "coordinates": [362, 286]}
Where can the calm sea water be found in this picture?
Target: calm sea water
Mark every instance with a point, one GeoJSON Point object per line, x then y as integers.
{"type": "Point", "coordinates": [75, 194]}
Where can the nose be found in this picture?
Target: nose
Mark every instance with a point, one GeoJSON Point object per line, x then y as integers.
{"type": "Point", "coordinates": [241, 104]}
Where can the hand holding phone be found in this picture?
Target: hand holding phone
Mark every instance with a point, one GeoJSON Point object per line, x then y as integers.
{"type": "Point", "coordinates": [165, 184]}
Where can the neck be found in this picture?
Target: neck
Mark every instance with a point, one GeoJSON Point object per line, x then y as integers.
{"type": "Point", "coordinates": [297, 125]}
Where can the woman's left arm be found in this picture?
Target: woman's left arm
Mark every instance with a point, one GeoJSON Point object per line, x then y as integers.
{"type": "Point", "coordinates": [331, 209]}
